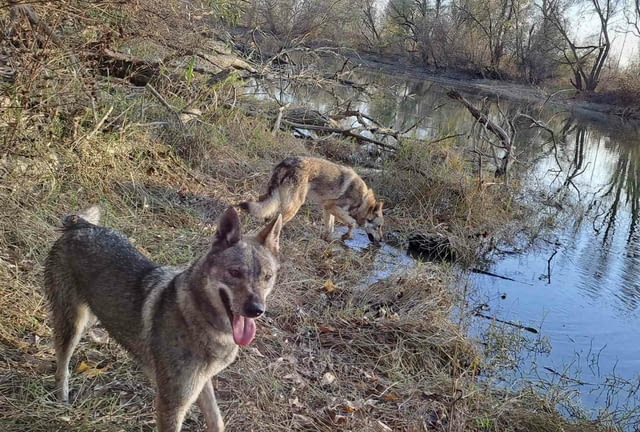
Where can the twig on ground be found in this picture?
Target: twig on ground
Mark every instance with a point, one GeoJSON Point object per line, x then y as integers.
{"type": "Point", "coordinates": [164, 103]}
{"type": "Point", "coordinates": [100, 123]}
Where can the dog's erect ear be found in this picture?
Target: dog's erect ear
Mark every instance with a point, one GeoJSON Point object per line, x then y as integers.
{"type": "Point", "coordinates": [269, 236]}
{"type": "Point", "coordinates": [229, 232]}
{"type": "Point", "coordinates": [378, 208]}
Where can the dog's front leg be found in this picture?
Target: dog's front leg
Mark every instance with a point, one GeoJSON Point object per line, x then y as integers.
{"type": "Point", "coordinates": [328, 222]}
{"type": "Point", "coordinates": [169, 414]}
{"type": "Point", "coordinates": [343, 216]}
{"type": "Point", "coordinates": [173, 399]}
{"type": "Point", "coordinates": [209, 408]}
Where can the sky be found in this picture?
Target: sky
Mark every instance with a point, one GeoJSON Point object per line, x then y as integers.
{"type": "Point", "coordinates": [625, 44]}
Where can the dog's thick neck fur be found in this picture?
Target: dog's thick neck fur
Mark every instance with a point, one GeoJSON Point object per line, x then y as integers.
{"type": "Point", "coordinates": [365, 208]}
{"type": "Point", "coordinates": [208, 301]}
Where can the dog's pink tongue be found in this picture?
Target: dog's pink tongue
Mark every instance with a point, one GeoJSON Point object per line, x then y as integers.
{"type": "Point", "coordinates": [244, 329]}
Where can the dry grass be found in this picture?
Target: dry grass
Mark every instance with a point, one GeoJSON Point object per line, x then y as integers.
{"type": "Point", "coordinates": [381, 357]}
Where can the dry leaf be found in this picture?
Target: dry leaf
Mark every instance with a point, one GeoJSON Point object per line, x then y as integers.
{"type": "Point", "coordinates": [348, 407]}
{"type": "Point", "coordinates": [83, 366]}
{"type": "Point", "coordinates": [340, 419]}
{"type": "Point", "coordinates": [89, 370]}
{"type": "Point", "coordinates": [328, 379]}
{"type": "Point", "coordinates": [370, 376]}
{"type": "Point", "coordinates": [326, 329]}
{"type": "Point", "coordinates": [295, 377]}
{"type": "Point", "coordinates": [390, 397]}
{"type": "Point", "coordinates": [295, 402]}
{"type": "Point", "coordinates": [329, 286]}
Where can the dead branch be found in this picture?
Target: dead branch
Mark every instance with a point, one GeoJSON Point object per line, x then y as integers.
{"type": "Point", "coordinates": [348, 132]}
{"type": "Point", "coordinates": [505, 138]}
{"type": "Point", "coordinates": [164, 103]}
{"type": "Point", "coordinates": [140, 71]}
{"type": "Point", "coordinates": [19, 10]}
{"type": "Point", "coordinates": [309, 117]}
{"type": "Point", "coordinates": [511, 323]}
{"type": "Point", "coordinates": [491, 126]}
{"type": "Point", "coordinates": [377, 127]}
{"type": "Point", "coordinates": [276, 125]}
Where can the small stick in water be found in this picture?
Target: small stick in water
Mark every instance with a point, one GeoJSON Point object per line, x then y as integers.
{"type": "Point", "coordinates": [520, 326]}
{"type": "Point", "coordinates": [484, 272]}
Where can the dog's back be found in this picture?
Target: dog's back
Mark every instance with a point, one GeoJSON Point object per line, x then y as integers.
{"type": "Point", "coordinates": [97, 267]}
{"type": "Point", "coordinates": [296, 176]}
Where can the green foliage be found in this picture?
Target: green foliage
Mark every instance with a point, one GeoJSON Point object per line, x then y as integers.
{"type": "Point", "coordinates": [485, 424]}
{"type": "Point", "coordinates": [107, 16]}
{"type": "Point", "coordinates": [228, 11]}
{"type": "Point", "coordinates": [188, 73]}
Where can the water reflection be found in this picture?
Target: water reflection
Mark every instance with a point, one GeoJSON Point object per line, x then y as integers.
{"type": "Point", "coordinates": [588, 306]}
{"type": "Point", "coordinates": [602, 169]}
{"type": "Point", "coordinates": [583, 289]}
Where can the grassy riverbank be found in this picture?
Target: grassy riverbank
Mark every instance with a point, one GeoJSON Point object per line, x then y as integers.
{"type": "Point", "coordinates": [331, 354]}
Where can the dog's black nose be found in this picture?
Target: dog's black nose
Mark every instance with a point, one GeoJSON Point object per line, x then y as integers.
{"type": "Point", "coordinates": [253, 309]}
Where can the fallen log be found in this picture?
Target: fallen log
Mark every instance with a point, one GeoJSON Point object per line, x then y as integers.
{"type": "Point", "coordinates": [347, 132]}
{"type": "Point", "coordinates": [309, 117]}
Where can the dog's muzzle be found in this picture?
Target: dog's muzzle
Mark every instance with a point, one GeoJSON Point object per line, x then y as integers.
{"type": "Point", "coordinates": [253, 308]}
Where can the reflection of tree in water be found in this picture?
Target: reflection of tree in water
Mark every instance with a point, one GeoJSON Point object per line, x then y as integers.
{"type": "Point", "coordinates": [400, 104]}
{"type": "Point", "coordinates": [576, 166]}
{"type": "Point", "coordinates": [623, 188]}
{"type": "Point", "coordinates": [603, 167]}
{"type": "Point", "coordinates": [617, 201]}
{"type": "Point", "coordinates": [623, 185]}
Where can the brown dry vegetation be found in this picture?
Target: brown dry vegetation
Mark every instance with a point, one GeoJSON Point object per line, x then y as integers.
{"type": "Point", "coordinates": [71, 138]}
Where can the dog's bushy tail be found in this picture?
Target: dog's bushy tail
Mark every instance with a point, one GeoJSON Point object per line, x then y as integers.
{"type": "Point", "coordinates": [286, 177]}
{"type": "Point", "coordinates": [266, 206]}
{"type": "Point", "coordinates": [80, 219]}
{"type": "Point", "coordinates": [92, 214]}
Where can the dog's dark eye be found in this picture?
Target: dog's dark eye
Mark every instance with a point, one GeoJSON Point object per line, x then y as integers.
{"type": "Point", "coordinates": [267, 276]}
{"type": "Point", "coordinates": [234, 273]}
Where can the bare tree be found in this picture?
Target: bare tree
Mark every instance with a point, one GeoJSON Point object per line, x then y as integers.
{"type": "Point", "coordinates": [585, 60]}
{"type": "Point", "coordinates": [370, 22]}
{"type": "Point", "coordinates": [295, 20]}
{"type": "Point", "coordinates": [495, 20]}
{"type": "Point", "coordinates": [633, 16]}
{"type": "Point", "coordinates": [423, 24]}
{"type": "Point", "coordinates": [538, 44]}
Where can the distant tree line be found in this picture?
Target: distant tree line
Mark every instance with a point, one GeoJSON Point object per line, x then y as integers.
{"type": "Point", "coordinates": [532, 40]}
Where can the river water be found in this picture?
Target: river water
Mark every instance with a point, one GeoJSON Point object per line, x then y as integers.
{"type": "Point", "coordinates": [578, 284]}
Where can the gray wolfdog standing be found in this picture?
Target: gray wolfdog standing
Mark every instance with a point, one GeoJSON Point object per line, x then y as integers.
{"type": "Point", "coordinates": [183, 326]}
{"type": "Point", "coordinates": [338, 189]}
